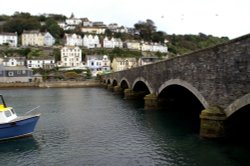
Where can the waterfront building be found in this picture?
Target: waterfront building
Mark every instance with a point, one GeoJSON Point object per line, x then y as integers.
{"type": "Point", "coordinates": [13, 61]}
{"type": "Point", "coordinates": [98, 64]}
{"type": "Point", "coordinates": [70, 57]}
{"type": "Point", "coordinates": [15, 74]}
{"type": "Point", "coordinates": [119, 64]}
{"type": "Point", "coordinates": [9, 38]}
{"type": "Point", "coordinates": [148, 60]}
{"type": "Point", "coordinates": [41, 62]}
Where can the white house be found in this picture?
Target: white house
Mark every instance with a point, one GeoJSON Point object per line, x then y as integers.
{"type": "Point", "coordinates": [9, 38]}
{"type": "Point", "coordinates": [97, 64]}
{"type": "Point", "coordinates": [44, 63]}
{"type": "Point", "coordinates": [49, 40]}
{"type": "Point", "coordinates": [133, 45]}
{"type": "Point", "coordinates": [91, 41]}
{"type": "Point", "coordinates": [70, 57]}
{"type": "Point", "coordinates": [93, 29]}
{"type": "Point", "coordinates": [86, 22]}
{"type": "Point", "coordinates": [112, 43]}
{"type": "Point", "coordinates": [73, 21]}
{"type": "Point", "coordinates": [14, 61]}
{"type": "Point", "coordinates": [36, 38]}
{"type": "Point", "coordinates": [160, 48]}
{"type": "Point", "coordinates": [73, 40]}
{"type": "Point", "coordinates": [148, 60]}
{"type": "Point", "coordinates": [119, 64]}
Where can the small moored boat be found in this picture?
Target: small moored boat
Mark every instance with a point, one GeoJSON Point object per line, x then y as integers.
{"type": "Point", "coordinates": [13, 126]}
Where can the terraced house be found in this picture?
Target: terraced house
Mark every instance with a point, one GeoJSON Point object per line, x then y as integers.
{"type": "Point", "coordinates": [36, 38]}
{"type": "Point", "coordinates": [9, 39]}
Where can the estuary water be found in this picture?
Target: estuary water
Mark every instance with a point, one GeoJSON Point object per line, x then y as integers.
{"type": "Point", "coordinates": [92, 126]}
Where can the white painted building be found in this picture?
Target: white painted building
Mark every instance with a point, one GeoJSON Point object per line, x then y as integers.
{"type": "Point", "coordinates": [112, 43]}
{"type": "Point", "coordinates": [91, 41]}
{"type": "Point", "coordinates": [73, 40]}
{"type": "Point", "coordinates": [73, 21]}
{"type": "Point", "coordinates": [93, 29]}
{"type": "Point", "coordinates": [133, 45]}
{"type": "Point", "coordinates": [14, 61]}
{"type": "Point", "coordinates": [9, 38]}
{"type": "Point", "coordinates": [98, 64]}
{"type": "Point", "coordinates": [70, 57]}
{"type": "Point", "coordinates": [49, 40]}
{"type": "Point", "coordinates": [44, 63]}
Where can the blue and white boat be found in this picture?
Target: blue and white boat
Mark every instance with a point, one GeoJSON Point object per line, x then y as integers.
{"type": "Point", "coordinates": [13, 126]}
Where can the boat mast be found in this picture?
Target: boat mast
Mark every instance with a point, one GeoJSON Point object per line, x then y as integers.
{"type": "Point", "coordinates": [4, 104]}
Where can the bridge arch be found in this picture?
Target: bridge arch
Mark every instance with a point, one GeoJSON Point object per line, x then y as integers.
{"type": "Point", "coordinates": [108, 81]}
{"type": "Point", "coordinates": [145, 82]}
{"type": "Point", "coordinates": [124, 83]}
{"type": "Point", "coordinates": [187, 86]}
{"type": "Point", "coordinates": [114, 83]}
{"type": "Point", "coordinates": [237, 105]}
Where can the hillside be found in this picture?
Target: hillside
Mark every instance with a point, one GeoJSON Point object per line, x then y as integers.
{"type": "Point", "coordinates": [142, 31]}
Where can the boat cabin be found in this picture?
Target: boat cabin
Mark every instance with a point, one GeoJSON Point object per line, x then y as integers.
{"type": "Point", "coordinates": [7, 114]}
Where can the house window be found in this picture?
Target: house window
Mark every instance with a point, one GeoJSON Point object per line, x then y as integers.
{"type": "Point", "coordinates": [23, 72]}
{"type": "Point", "coordinates": [92, 63]}
{"type": "Point", "coordinates": [11, 74]}
{"type": "Point", "coordinates": [19, 72]}
{"type": "Point", "coordinates": [12, 63]}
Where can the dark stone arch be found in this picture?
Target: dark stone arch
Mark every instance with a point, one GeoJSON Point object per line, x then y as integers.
{"type": "Point", "coordinates": [114, 83]}
{"type": "Point", "coordinates": [186, 85]}
{"type": "Point", "coordinates": [145, 82]}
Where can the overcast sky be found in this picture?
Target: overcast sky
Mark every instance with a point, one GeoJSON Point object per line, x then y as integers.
{"type": "Point", "coordinates": [212, 17]}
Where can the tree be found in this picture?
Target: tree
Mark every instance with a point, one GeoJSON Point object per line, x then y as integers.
{"type": "Point", "coordinates": [145, 29]}
{"type": "Point", "coordinates": [19, 24]}
{"type": "Point", "coordinates": [53, 28]}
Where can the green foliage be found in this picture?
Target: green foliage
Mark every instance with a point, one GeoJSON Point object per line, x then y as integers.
{"type": "Point", "coordinates": [71, 75]}
{"type": "Point", "coordinates": [57, 54]}
{"type": "Point", "coordinates": [4, 17]}
{"type": "Point", "coordinates": [53, 28]}
{"type": "Point", "coordinates": [35, 53]}
{"type": "Point", "coordinates": [180, 44]}
{"type": "Point", "coordinates": [19, 24]}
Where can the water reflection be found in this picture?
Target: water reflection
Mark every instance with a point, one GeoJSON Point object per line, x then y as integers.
{"type": "Point", "coordinates": [18, 145]}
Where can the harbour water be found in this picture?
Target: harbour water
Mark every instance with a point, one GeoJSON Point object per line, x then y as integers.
{"type": "Point", "coordinates": [92, 126]}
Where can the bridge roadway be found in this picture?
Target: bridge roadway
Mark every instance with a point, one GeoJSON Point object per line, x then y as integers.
{"type": "Point", "coordinates": [218, 77]}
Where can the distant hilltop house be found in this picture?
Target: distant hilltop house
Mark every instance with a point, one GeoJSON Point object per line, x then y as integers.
{"type": "Point", "coordinates": [10, 39]}
{"type": "Point", "coordinates": [36, 38]}
{"type": "Point", "coordinates": [70, 57]}
{"type": "Point", "coordinates": [15, 74]}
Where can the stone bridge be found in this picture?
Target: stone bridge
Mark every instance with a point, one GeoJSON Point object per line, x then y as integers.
{"type": "Point", "coordinates": [217, 78]}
